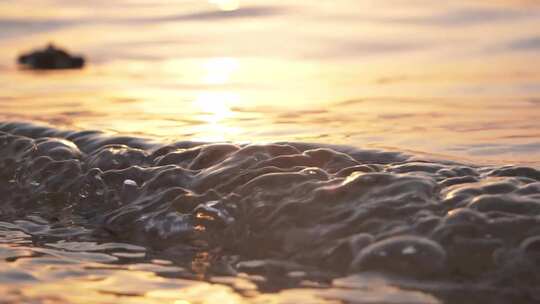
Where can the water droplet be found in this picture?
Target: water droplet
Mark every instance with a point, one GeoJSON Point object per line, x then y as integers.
{"type": "Point", "coordinates": [409, 250]}
{"type": "Point", "coordinates": [83, 193]}
{"type": "Point", "coordinates": [130, 182]}
{"type": "Point", "coordinates": [199, 228]}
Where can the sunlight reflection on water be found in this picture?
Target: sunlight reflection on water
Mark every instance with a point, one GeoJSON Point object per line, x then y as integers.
{"type": "Point", "coordinates": [219, 70]}
{"type": "Point", "coordinates": [454, 79]}
{"type": "Point", "coordinates": [226, 5]}
{"type": "Point", "coordinates": [92, 282]}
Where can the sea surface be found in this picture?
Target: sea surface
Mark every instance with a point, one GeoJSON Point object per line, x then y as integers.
{"type": "Point", "coordinates": [253, 151]}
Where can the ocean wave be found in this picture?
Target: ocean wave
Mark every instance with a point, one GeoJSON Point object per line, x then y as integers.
{"type": "Point", "coordinates": [284, 206]}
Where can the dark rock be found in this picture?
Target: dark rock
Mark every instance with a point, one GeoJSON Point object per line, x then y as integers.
{"type": "Point", "coordinates": [50, 58]}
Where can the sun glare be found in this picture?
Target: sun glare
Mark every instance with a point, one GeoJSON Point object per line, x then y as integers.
{"type": "Point", "coordinates": [219, 70]}
{"type": "Point", "coordinates": [226, 5]}
{"type": "Point", "coordinates": [214, 106]}
{"type": "Point", "coordinates": [215, 109]}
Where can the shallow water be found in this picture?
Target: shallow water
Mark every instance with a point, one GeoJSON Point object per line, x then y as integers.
{"type": "Point", "coordinates": [123, 218]}
{"type": "Point", "coordinates": [405, 169]}
{"type": "Point", "coordinates": [445, 78]}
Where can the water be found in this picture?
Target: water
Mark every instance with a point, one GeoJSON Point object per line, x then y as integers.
{"type": "Point", "coordinates": [405, 169]}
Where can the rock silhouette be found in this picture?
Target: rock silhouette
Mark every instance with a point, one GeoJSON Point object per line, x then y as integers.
{"type": "Point", "coordinates": [50, 58]}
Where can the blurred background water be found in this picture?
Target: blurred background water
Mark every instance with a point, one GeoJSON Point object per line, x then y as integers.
{"type": "Point", "coordinates": [455, 78]}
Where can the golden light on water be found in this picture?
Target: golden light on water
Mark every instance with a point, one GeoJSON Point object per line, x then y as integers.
{"type": "Point", "coordinates": [214, 109]}
{"type": "Point", "coordinates": [220, 70]}
{"type": "Point", "coordinates": [214, 106]}
{"type": "Point", "coordinates": [360, 73]}
{"type": "Point", "coordinates": [226, 5]}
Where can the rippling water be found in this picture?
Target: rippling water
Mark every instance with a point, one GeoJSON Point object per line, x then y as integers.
{"type": "Point", "coordinates": [271, 152]}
